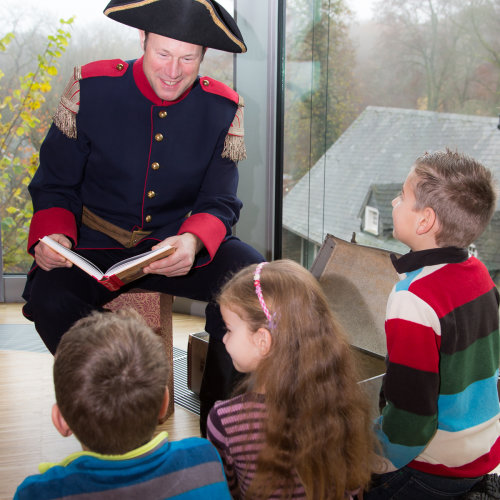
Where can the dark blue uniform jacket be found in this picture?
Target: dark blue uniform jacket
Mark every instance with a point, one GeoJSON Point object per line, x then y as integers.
{"type": "Point", "coordinates": [138, 162]}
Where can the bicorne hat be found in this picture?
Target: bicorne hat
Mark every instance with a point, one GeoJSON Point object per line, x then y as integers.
{"type": "Point", "coordinates": [202, 22]}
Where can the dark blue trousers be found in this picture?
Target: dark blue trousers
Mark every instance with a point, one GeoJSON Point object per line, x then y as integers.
{"type": "Point", "coordinates": [57, 298]}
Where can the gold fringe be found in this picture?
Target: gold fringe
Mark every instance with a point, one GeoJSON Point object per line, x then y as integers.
{"type": "Point", "coordinates": [234, 144]}
{"type": "Point", "coordinates": [65, 121]}
{"type": "Point", "coordinates": [234, 148]}
{"type": "Point", "coordinates": [65, 114]}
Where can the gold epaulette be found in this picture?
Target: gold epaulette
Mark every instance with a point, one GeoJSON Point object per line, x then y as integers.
{"type": "Point", "coordinates": [69, 104]}
{"type": "Point", "coordinates": [234, 145]}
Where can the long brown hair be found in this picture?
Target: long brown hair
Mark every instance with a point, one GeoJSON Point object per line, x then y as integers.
{"type": "Point", "coordinates": [318, 420]}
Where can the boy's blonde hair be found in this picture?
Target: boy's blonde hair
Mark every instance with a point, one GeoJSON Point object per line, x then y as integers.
{"type": "Point", "coordinates": [110, 375]}
{"type": "Point", "coordinates": [318, 422]}
{"type": "Point", "coordinates": [461, 192]}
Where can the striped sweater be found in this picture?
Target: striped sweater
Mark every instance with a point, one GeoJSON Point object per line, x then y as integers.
{"type": "Point", "coordinates": [235, 428]}
{"type": "Point", "coordinates": [442, 412]}
{"type": "Point", "coordinates": [186, 470]}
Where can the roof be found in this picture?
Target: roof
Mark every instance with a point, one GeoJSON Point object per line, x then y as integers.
{"type": "Point", "coordinates": [380, 196]}
{"type": "Point", "coordinates": [378, 149]}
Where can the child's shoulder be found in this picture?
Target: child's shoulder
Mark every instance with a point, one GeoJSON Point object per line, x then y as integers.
{"type": "Point", "coordinates": [237, 403]}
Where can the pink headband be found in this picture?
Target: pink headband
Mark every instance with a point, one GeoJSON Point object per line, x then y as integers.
{"type": "Point", "coordinates": [258, 291]}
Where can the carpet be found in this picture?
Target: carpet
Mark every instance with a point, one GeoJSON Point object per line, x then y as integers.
{"type": "Point", "coordinates": [25, 338]}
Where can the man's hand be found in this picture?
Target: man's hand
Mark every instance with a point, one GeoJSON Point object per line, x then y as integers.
{"type": "Point", "coordinates": [47, 259]}
{"type": "Point", "coordinates": [181, 261]}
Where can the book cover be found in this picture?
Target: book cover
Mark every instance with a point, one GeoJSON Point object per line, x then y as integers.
{"type": "Point", "coordinates": [117, 275]}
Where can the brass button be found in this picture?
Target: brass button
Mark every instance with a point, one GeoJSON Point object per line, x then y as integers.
{"type": "Point", "coordinates": [155, 165]}
{"type": "Point", "coordinates": [151, 194]}
{"type": "Point", "coordinates": [206, 83]}
{"type": "Point", "coordinates": [119, 66]}
{"type": "Point", "coordinates": [162, 113]}
{"type": "Point", "coordinates": [148, 218]}
{"type": "Point", "coordinates": [158, 137]}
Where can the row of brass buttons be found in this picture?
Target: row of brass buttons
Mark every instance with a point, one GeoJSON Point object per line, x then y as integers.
{"type": "Point", "coordinates": [155, 165]}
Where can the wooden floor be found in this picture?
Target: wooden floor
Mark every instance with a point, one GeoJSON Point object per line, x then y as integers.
{"type": "Point", "coordinates": [27, 436]}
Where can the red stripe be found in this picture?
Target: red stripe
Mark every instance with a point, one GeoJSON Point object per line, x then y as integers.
{"type": "Point", "coordinates": [484, 464]}
{"type": "Point", "coordinates": [413, 345]}
{"type": "Point", "coordinates": [432, 288]}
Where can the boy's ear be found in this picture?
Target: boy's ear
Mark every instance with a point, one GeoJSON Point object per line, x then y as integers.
{"type": "Point", "coordinates": [164, 406]}
{"type": "Point", "coordinates": [263, 340]}
{"type": "Point", "coordinates": [427, 221]}
{"type": "Point", "coordinates": [59, 422]}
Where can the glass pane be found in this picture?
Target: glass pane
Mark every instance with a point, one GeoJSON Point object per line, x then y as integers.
{"type": "Point", "coordinates": [33, 73]}
{"type": "Point", "coordinates": [370, 86]}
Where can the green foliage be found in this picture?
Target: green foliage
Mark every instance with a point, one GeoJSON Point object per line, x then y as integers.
{"type": "Point", "coordinates": [22, 112]}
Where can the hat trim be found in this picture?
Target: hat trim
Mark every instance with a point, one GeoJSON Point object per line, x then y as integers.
{"type": "Point", "coordinates": [128, 6]}
{"type": "Point", "coordinates": [209, 7]}
{"type": "Point", "coordinates": [222, 26]}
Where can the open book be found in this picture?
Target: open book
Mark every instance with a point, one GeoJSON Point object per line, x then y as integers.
{"type": "Point", "coordinates": [117, 275]}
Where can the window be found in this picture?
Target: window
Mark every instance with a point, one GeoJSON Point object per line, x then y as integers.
{"type": "Point", "coordinates": [371, 220]}
{"type": "Point", "coordinates": [368, 92]}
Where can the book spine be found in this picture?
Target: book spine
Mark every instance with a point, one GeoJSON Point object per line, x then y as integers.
{"type": "Point", "coordinates": [112, 283]}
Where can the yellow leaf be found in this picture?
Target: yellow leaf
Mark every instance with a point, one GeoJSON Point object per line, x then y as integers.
{"type": "Point", "coordinates": [20, 131]}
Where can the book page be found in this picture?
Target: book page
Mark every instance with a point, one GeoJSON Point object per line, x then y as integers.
{"type": "Point", "coordinates": [143, 258]}
{"type": "Point", "coordinates": [73, 257]}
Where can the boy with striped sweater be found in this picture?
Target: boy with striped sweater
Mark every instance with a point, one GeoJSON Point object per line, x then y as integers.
{"type": "Point", "coordinates": [440, 427]}
{"type": "Point", "coordinates": [110, 380]}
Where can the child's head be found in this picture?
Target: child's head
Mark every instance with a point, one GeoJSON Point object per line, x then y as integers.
{"type": "Point", "coordinates": [280, 298]}
{"type": "Point", "coordinates": [283, 333]}
{"type": "Point", "coordinates": [453, 196]}
{"type": "Point", "coordinates": [110, 379]}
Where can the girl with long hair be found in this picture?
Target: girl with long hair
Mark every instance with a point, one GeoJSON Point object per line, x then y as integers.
{"type": "Point", "coordinates": [300, 426]}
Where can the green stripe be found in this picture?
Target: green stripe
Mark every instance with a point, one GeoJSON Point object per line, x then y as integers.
{"type": "Point", "coordinates": [407, 428]}
{"type": "Point", "coordinates": [461, 369]}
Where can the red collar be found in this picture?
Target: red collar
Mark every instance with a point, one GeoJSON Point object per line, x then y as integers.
{"type": "Point", "coordinates": [143, 85]}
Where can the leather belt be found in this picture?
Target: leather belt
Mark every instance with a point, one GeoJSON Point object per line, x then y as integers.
{"type": "Point", "coordinates": [127, 238]}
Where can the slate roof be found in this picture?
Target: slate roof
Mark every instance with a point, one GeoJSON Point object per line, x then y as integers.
{"type": "Point", "coordinates": [379, 148]}
{"type": "Point", "coordinates": [488, 246]}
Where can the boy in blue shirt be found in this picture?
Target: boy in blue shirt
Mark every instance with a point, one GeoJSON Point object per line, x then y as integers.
{"type": "Point", "coordinates": [110, 379]}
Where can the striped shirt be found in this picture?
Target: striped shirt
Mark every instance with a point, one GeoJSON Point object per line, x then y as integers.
{"type": "Point", "coordinates": [185, 470]}
{"type": "Point", "coordinates": [235, 427]}
{"type": "Point", "coordinates": [442, 413]}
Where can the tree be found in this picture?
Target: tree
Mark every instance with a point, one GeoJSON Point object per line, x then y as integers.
{"type": "Point", "coordinates": [429, 56]}
{"type": "Point", "coordinates": [23, 121]}
{"type": "Point", "coordinates": [321, 106]}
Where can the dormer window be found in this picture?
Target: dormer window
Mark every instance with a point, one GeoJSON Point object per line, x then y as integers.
{"type": "Point", "coordinates": [371, 220]}
{"type": "Point", "coordinates": [472, 250]}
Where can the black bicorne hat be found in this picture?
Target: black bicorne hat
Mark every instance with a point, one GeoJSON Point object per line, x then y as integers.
{"type": "Point", "coordinates": [202, 22]}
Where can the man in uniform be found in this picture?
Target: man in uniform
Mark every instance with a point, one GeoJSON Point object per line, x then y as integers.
{"type": "Point", "coordinates": [144, 153]}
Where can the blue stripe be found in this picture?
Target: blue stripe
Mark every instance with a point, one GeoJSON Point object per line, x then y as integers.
{"type": "Point", "coordinates": [404, 284]}
{"type": "Point", "coordinates": [476, 404]}
{"type": "Point", "coordinates": [398, 454]}
{"type": "Point", "coordinates": [100, 475]}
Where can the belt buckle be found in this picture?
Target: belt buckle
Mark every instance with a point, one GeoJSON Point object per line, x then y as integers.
{"type": "Point", "coordinates": [136, 236]}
